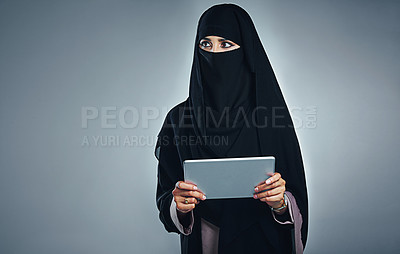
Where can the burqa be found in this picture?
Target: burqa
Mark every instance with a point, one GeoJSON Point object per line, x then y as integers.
{"type": "Point", "coordinates": [233, 95]}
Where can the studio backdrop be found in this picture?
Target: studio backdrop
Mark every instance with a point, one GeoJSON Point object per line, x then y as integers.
{"type": "Point", "coordinates": [85, 86]}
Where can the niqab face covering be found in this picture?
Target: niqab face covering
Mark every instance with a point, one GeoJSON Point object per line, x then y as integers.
{"type": "Point", "coordinates": [227, 87]}
{"type": "Point", "coordinates": [225, 79]}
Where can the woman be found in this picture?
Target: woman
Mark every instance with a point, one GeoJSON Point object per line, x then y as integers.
{"type": "Point", "coordinates": [235, 109]}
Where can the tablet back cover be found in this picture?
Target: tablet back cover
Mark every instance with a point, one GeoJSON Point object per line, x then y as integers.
{"type": "Point", "coordinates": [228, 177]}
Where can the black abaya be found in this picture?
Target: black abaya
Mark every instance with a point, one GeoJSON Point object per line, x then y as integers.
{"type": "Point", "coordinates": [241, 221]}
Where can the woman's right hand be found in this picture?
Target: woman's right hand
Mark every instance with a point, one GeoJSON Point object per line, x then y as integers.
{"type": "Point", "coordinates": [187, 191]}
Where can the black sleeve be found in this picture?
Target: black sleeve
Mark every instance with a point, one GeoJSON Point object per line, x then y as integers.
{"type": "Point", "coordinates": [283, 217]}
{"type": "Point", "coordinates": [294, 175]}
{"type": "Point", "coordinates": [169, 171]}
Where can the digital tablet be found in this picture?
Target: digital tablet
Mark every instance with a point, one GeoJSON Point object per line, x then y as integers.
{"type": "Point", "coordinates": [228, 177]}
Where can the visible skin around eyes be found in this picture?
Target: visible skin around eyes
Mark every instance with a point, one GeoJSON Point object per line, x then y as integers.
{"type": "Point", "coordinates": [217, 44]}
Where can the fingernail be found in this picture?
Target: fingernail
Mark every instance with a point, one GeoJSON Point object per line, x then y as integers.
{"type": "Point", "coordinates": [256, 189]}
{"type": "Point", "coordinates": [255, 196]}
{"type": "Point", "coordinates": [194, 187]}
{"type": "Point", "coordinates": [267, 181]}
{"type": "Point", "coordinates": [204, 196]}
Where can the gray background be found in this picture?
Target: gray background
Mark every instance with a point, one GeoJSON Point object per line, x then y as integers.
{"type": "Point", "coordinates": [58, 195]}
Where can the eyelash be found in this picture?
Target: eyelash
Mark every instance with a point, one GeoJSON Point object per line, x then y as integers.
{"type": "Point", "coordinates": [205, 42]}
{"type": "Point", "coordinates": [230, 44]}
{"type": "Point", "coordinates": [209, 44]}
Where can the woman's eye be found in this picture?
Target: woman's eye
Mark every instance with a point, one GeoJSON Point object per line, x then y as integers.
{"type": "Point", "coordinates": [226, 44]}
{"type": "Point", "coordinates": [205, 44]}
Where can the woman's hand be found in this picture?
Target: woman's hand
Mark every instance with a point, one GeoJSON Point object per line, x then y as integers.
{"type": "Point", "coordinates": [186, 196]}
{"type": "Point", "coordinates": [275, 186]}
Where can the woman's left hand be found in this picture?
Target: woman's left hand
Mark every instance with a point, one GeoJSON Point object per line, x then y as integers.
{"type": "Point", "coordinates": [275, 186]}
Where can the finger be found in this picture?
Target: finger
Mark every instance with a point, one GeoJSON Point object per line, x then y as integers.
{"type": "Point", "coordinates": [185, 207]}
{"type": "Point", "coordinates": [273, 178]}
{"type": "Point", "coordinates": [263, 182]}
{"type": "Point", "coordinates": [272, 192]}
{"type": "Point", "coordinates": [196, 194]}
{"type": "Point", "coordinates": [185, 185]}
{"type": "Point", "coordinates": [276, 191]}
{"type": "Point", "coordinates": [273, 185]}
{"type": "Point", "coordinates": [269, 174]}
{"type": "Point", "coordinates": [260, 183]}
{"type": "Point", "coordinates": [274, 198]}
{"type": "Point", "coordinates": [188, 193]}
{"type": "Point", "coordinates": [264, 186]}
{"type": "Point", "coordinates": [181, 200]}
{"type": "Point", "coordinates": [189, 200]}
